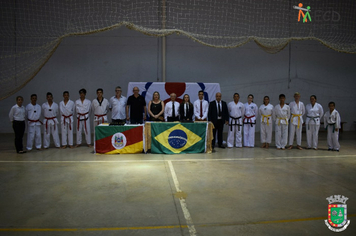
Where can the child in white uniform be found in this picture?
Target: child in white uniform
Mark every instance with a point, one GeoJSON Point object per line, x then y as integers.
{"type": "Point", "coordinates": [332, 123]}
{"type": "Point", "coordinates": [251, 110]}
{"type": "Point", "coordinates": [265, 111]}
{"type": "Point", "coordinates": [281, 114]}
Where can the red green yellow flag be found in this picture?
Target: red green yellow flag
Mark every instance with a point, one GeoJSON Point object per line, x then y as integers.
{"type": "Point", "coordinates": [119, 139]}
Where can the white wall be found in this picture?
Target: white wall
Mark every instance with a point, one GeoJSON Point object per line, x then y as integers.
{"type": "Point", "coordinates": [119, 56]}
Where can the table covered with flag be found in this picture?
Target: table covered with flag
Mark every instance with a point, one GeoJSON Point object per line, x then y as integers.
{"type": "Point", "coordinates": [119, 139]}
{"type": "Point", "coordinates": [174, 137]}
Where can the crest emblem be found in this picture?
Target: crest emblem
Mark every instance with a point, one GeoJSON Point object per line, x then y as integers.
{"type": "Point", "coordinates": [337, 213]}
{"type": "Point", "coordinates": [118, 140]}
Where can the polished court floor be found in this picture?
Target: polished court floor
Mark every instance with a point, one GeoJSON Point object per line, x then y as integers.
{"type": "Point", "coordinates": [247, 191]}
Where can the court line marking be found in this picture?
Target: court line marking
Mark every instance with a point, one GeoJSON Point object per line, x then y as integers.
{"type": "Point", "coordinates": [182, 160]}
{"type": "Point", "coordinates": [183, 204]}
{"type": "Point", "coordinates": [168, 226]}
{"type": "Point", "coordinates": [94, 229]}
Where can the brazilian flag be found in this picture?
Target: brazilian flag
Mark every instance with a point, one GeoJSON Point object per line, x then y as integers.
{"type": "Point", "coordinates": [174, 138]}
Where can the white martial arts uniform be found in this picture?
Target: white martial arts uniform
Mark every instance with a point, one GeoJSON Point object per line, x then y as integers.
{"type": "Point", "coordinates": [312, 122]}
{"type": "Point", "coordinates": [236, 113]}
{"type": "Point", "coordinates": [251, 111]}
{"type": "Point", "coordinates": [281, 116]}
{"type": "Point", "coordinates": [100, 111]}
{"type": "Point", "coordinates": [296, 122]}
{"type": "Point", "coordinates": [331, 122]}
{"type": "Point", "coordinates": [67, 112]}
{"type": "Point", "coordinates": [83, 120]}
{"type": "Point", "coordinates": [50, 124]}
{"type": "Point", "coordinates": [33, 114]}
{"type": "Point", "coordinates": [266, 122]}
{"type": "Point", "coordinates": [201, 106]}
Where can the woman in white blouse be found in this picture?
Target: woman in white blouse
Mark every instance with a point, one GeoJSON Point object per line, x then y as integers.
{"type": "Point", "coordinates": [17, 117]}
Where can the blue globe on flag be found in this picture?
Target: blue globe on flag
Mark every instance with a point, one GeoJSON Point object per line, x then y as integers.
{"type": "Point", "coordinates": [177, 139]}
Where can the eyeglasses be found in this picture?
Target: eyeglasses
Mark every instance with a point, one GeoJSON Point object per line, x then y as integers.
{"type": "Point", "coordinates": [118, 90]}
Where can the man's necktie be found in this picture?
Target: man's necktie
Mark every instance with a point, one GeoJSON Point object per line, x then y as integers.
{"type": "Point", "coordinates": [173, 111]}
{"type": "Point", "coordinates": [201, 109]}
{"type": "Point", "coordinates": [219, 109]}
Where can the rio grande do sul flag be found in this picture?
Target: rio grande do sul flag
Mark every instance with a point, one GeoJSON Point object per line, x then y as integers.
{"type": "Point", "coordinates": [173, 138]}
{"type": "Point", "coordinates": [119, 139]}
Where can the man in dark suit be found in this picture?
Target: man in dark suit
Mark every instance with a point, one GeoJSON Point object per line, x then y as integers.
{"type": "Point", "coordinates": [218, 115]}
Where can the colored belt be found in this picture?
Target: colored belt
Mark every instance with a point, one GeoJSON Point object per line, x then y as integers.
{"type": "Point", "coordinates": [333, 124]}
{"type": "Point", "coordinates": [248, 118]}
{"type": "Point", "coordinates": [266, 116]}
{"type": "Point", "coordinates": [35, 121]}
{"type": "Point", "coordinates": [85, 123]}
{"type": "Point", "coordinates": [64, 121]}
{"type": "Point", "coordinates": [237, 122]}
{"type": "Point", "coordinates": [102, 117]}
{"type": "Point", "coordinates": [295, 115]}
{"type": "Point", "coordinates": [50, 118]}
{"type": "Point", "coordinates": [282, 118]}
{"type": "Point", "coordinates": [312, 117]}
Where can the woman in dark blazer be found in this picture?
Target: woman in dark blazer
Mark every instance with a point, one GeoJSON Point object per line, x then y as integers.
{"type": "Point", "coordinates": [186, 109]}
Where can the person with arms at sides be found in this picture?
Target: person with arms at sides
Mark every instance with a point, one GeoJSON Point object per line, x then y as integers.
{"type": "Point", "coordinates": [281, 114]}
{"type": "Point", "coordinates": [186, 109]}
{"type": "Point", "coordinates": [50, 122]}
{"type": "Point", "coordinates": [315, 113]}
{"type": "Point", "coordinates": [137, 105]}
{"type": "Point", "coordinates": [201, 108]}
{"type": "Point", "coordinates": [297, 111]}
{"type": "Point", "coordinates": [156, 108]}
{"type": "Point", "coordinates": [251, 110]}
{"type": "Point", "coordinates": [117, 107]}
{"type": "Point", "coordinates": [236, 112]}
{"type": "Point", "coordinates": [265, 111]}
{"type": "Point", "coordinates": [100, 107]}
{"type": "Point", "coordinates": [66, 109]}
{"type": "Point", "coordinates": [171, 109]}
{"type": "Point", "coordinates": [17, 116]}
{"type": "Point", "coordinates": [83, 108]}
{"type": "Point", "coordinates": [332, 123]}
{"type": "Point", "coordinates": [218, 114]}
{"type": "Point", "coordinates": [33, 114]}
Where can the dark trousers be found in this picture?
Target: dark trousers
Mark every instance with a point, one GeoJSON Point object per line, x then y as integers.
{"type": "Point", "coordinates": [172, 119]}
{"type": "Point", "coordinates": [136, 121]}
{"type": "Point", "coordinates": [118, 121]}
{"type": "Point", "coordinates": [19, 129]}
{"type": "Point", "coordinates": [218, 127]}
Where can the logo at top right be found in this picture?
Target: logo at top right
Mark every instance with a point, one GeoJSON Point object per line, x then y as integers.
{"type": "Point", "coordinates": [305, 16]}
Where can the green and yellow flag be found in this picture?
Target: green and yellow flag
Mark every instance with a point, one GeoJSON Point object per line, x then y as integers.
{"type": "Point", "coordinates": [173, 138]}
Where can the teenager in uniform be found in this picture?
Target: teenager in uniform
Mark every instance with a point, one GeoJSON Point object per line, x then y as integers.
{"type": "Point", "coordinates": [66, 109]}
{"type": "Point", "coordinates": [315, 113]}
{"type": "Point", "coordinates": [100, 107]}
{"type": "Point", "coordinates": [297, 110]}
{"type": "Point", "coordinates": [33, 115]}
{"type": "Point", "coordinates": [265, 111]}
{"type": "Point", "coordinates": [236, 112]}
{"type": "Point", "coordinates": [83, 107]}
{"type": "Point", "coordinates": [249, 121]}
{"type": "Point", "coordinates": [50, 122]}
{"type": "Point", "coordinates": [281, 114]}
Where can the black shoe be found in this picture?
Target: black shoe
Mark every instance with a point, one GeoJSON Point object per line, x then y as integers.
{"type": "Point", "coordinates": [221, 146]}
{"type": "Point", "coordinates": [329, 149]}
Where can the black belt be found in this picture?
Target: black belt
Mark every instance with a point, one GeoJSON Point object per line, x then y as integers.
{"type": "Point", "coordinates": [235, 119]}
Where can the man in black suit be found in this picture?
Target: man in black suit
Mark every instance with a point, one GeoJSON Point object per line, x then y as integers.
{"type": "Point", "coordinates": [218, 115]}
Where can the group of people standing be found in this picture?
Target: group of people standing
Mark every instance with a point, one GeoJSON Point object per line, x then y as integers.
{"type": "Point", "coordinates": [82, 107]}
{"type": "Point", "coordinates": [236, 115]}
{"type": "Point", "coordinates": [288, 120]}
